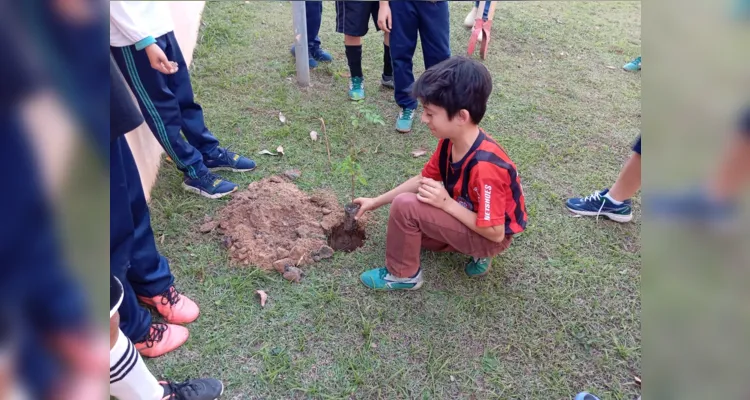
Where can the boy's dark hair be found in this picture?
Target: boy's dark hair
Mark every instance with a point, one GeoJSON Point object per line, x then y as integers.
{"type": "Point", "coordinates": [456, 84]}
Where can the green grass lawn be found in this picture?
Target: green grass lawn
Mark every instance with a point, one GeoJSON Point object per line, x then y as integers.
{"type": "Point", "coordinates": [559, 312]}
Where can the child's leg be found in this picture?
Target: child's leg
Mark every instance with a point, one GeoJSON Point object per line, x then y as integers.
{"type": "Point", "coordinates": [160, 106]}
{"type": "Point", "coordinates": [126, 223]}
{"type": "Point", "coordinates": [353, 19]}
{"type": "Point", "coordinates": [434, 30]}
{"type": "Point", "coordinates": [129, 378]}
{"type": "Point", "coordinates": [387, 62]}
{"type": "Point", "coordinates": [486, 12]}
{"type": "Point", "coordinates": [734, 172]}
{"type": "Point", "coordinates": [629, 180]}
{"type": "Point", "coordinates": [193, 125]}
{"type": "Point", "coordinates": [413, 225]}
{"type": "Point", "coordinates": [403, 43]}
{"type": "Point", "coordinates": [314, 13]}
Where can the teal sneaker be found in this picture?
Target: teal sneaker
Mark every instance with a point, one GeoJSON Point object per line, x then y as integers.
{"type": "Point", "coordinates": [405, 120]}
{"type": "Point", "coordinates": [356, 88]}
{"type": "Point", "coordinates": [634, 65]}
{"type": "Point", "coordinates": [477, 267]}
{"type": "Point", "coordinates": [380, 279]}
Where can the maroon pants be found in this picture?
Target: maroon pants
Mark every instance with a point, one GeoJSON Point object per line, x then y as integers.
{"type": "Point", "coordinates": [413, 226]}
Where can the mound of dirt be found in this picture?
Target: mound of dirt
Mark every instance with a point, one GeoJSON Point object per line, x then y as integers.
{"type": "Point", "coordinates": [274, 225]}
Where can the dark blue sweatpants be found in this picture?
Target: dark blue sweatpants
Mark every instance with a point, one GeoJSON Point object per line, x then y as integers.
{"type": "Point", "coordinates": [167, 104]}
{"type": "Point", "coordinates": [432, 21]}
{"type": "Point", "coordinates": [314, 14]}
{"type": "Point", "coordinates": [134, 259]}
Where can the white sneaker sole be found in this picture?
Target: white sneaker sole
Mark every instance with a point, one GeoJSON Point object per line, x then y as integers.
{"type": "Point", "coordinates": [195, 190]}
{"type": "Point", "coordinates": [231, 169]}
{"type": "Point", "coordinates": [613, 217]}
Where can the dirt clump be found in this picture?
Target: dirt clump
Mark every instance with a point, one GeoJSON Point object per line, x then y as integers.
{"type": "Point", "coordinates": [274, 225]}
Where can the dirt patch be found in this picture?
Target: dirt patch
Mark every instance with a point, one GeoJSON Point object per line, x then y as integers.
{"type": "Point", "coordinates": [274, 225]}
{"type": "Point", "coordinates": [342, 239]}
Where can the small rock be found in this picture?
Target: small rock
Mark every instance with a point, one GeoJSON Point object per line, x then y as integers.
{"type": "Point", "coordinates": [296, 253]}
{"type": "Point", "coordinates": [316, 258]}
{"type": "Point", "coordinates": [282, 253]}
{"type": "Point", "coordinates": [293, 274]}
{"type": "Point", "coordinates": [224, 224]}
{"type": "Point", "coordinates": [293, 174]}
{"type": "Point", "coordinates": [242, 250]}
{"type": "Point", "coordinates": [325, 252]}
{"type": "Point", "coordinates": [325, 211]}
{"type": "Point", "coordinates": [301, 232]}
{"type": "Point", "coordinates": [373, 345]}
{"type": "Point", "coordinates": [206, 218]}
{"type": "Point", "coordinates": [208, 226]}
{"type": "Point", "coordinates": [453, 379]}
{"type": "Point", "coordinates": [226, 241]}
{"type": "Point", "coordinates": [275, 179]}
{"type": "Point", "coordinates": [280, 266]}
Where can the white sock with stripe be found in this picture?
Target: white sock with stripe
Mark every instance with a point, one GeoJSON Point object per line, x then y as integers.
{"type": "Point", "coordinates": [129, 378]}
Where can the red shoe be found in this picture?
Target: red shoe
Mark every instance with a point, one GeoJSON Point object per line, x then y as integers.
{"type": "Point", "coordinates": [161, 339]}
{"type": "Point", "coordinates": [478, 23]}
{"type": "Point", "coordinates": [486, 30]}
{"type": "Point", "coordinates": [176, 308]}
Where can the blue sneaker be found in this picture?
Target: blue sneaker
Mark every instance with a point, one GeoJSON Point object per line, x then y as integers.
{"type": "Point", "coordinates": [695, 206]}
{"type": "Point", "coordinates": [405, 120]}
{"type": "Point", "coordinates": [210, 186]}
{"type": "Point", "coordinates": [586, 396]}
{"type": "Point", "coordinates": [356, 88]}
{"type": "Point", "coordinates": [634, 65]}
{"type": "Point", "coordinates": [477, 267]}
{"type": "Point", "coordinates": [380, 279]}
{"type": "Point", "coordinates": [596, 205]}
{"type": "Point", "coordinates": [229, 161]}
{"type": "Point", "coordinates": [315, 56]}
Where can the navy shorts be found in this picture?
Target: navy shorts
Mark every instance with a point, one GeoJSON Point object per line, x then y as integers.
{"type": "Point", "coordinates": [745, 124]}
{"type": "Point", "coordinates": [353, 17]}
{"type": "Point", "coordinates": [637, 145]}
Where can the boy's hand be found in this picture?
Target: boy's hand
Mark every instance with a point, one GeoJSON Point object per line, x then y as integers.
{"type": "Point", "coordinates": [433, 193]}
{"type": "Point", "coordinates": [384, 17]}
{"type": "Point", "coordinates": [159, 60]}
{"type": "Point", "coordinates": [365, 204]}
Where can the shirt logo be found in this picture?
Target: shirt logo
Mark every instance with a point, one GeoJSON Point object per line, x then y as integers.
{"type": "Point", "coordinates": [487, 193]}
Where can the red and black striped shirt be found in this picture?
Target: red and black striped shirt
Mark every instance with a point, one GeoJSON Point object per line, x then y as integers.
{"type": "Point", "coordinates": [485, 181]}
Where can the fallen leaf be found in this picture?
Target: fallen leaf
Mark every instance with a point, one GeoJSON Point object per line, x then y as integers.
{"type": "Point", "coordinates": [611, 67]}
{"type": "Point", "coordinates": [313, 135]}
{"type": "Point", "coordinates": [264, 151]}
{"type": "Point", "coordinates": [418, 152]}
{"type": "Point", "coordinates": [282, 118]}
{"type": "Point", "coordinates": [638, 380]}
{"type": "Point", "coordinates": [453, 379]}
{"type": "Point", "coordinates": [263, 297]}
{"type": "Point", "coordinates": [280, 150]}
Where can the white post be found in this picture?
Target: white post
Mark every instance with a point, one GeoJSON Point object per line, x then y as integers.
{"type": "Point", "coordinates": [300, 42]}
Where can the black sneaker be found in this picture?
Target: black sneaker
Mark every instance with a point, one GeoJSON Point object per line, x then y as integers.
{"type": "Point", "coordinates": [193, 389]}
{"type": "Point", "coordinates": [387, 81]}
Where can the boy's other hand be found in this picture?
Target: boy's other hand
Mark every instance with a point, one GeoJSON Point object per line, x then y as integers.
{"type": "Point", "coordinates": [365, 204]}
{"type": "Point", "coordinates": [159, 60]}
{"type": "Point", "coordinates": [433, 193]}
{"type": "Point", "coordinates": [384, 18]}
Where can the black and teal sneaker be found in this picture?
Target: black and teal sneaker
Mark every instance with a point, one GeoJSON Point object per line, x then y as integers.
{"type": "Point", "coordinates": [226, 160]}
{"type": "Point", "coordinates": [477, 267]}
{"type": "Point", "coordinates": [405, 120]}
{"type": "Point", "coordinates": [380, 279]}
{"type": "Point", "coordinates": [634, 65]}
{"type": "Point", "coordinates": [210, 186]}
{"type": "Point", "coordinates": [387, 81]}
{"type": "Point", "coordinates": [193, 389]}
{"type": "Point", "coordinates": [597, 204]}
{"type": "Point", "coordinates": [356, 88]}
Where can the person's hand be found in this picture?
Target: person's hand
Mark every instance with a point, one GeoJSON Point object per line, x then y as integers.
{"type": "Point", "coordinates": [433, 193]}
{"type": "Point", "coordinates": [365, 204]}
{"type": "Point", "coordinates": [159, 60]}
{"type": "Point", "coordinates": [384, 18]}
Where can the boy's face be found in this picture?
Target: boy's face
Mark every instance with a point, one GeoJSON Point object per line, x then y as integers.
{"type": "Point", "coordinates": [436, 118]}
{"type": "Point", "coordinates": [442, 127]}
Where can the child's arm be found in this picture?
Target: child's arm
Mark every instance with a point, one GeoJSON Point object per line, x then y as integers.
{"type": "Point", "coordinates": [367, 204]}
{"type": "Point", "coordinates": [434, 193]}
{"type": "Point", "coordinates": [384, 17]}
{"type": "Point", "coordinates": [121, 17]}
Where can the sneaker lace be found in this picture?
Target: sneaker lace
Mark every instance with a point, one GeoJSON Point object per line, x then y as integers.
{"type": "Point", "coordinates": [155, 334]}
{"type": "Point", "coordinates": [209, 179]}
{"type": "Point", "coordinates": [179, 389]}
{"type": "Point", "coordinates": [406, 113]}
{"type": "Point", "coordinates": [170, 297]}
{"type": "Point", "coordinates": [596, 196]}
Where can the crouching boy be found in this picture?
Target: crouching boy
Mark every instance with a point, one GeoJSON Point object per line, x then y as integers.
{"type": "Point", "coordinates": [468, 198]}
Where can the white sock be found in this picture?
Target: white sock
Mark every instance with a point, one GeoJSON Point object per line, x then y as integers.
{"type": "Point", "coordinates": [615, 202]}
{"type": "Point", "coordinates": [129, 378]}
